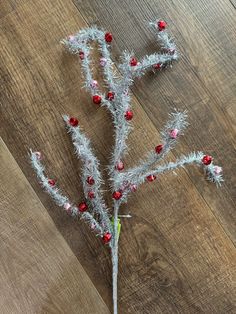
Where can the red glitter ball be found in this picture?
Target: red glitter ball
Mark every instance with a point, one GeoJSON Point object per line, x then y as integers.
{"type": "Point", "coordinates": [108, 37]}
{"type": "Point", "coordinates": [81, 55]}
{"type": "Point", "coordinates": [207, 160]}
{"type": "Point", "coordinates": [106, 237]}
{"type": "Point", "coordinates": [110, 95]}
{"type": "Point", "coordinates": [161, 25]}
{"type": "Point", "coordinates": [51, 182]}
{"type": "Point", "coordinates": [158, 148]}
{"type": "Point", "coordinates": [97, 99]}
{"type": "Point", "coordinates": [120, 165]}
{"type": "Point", "coordinates": [157, 66]}
{"type": "Point", "coordinates": [90, 180]}
{"type": "Point", "coordinates": [151, 177]}
{"type": "Point", "coordinates": [117, 195]}
{"type": "Point", "coordinates": [133, 62]}
{"type": "Point", "coordinates": [91, 194]}
{"type": "Point", "coordinates": [82, 207]}
{"type": "Point", "coordinates": [73, 122]}
{"type": "Point", "coordinates": [128, 115]}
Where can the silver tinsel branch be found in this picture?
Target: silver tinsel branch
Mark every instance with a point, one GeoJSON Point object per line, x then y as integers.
{"type": "Point", "coordinates": [117, 100]}
{"type": "Point", "coordinates": [90, 175]}
{"type": "Point", "coordinates": [61, 200]}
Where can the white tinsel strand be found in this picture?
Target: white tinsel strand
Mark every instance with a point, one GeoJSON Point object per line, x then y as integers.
{"type": "Point", "coordinates": [90, 169]}
{"type": "Point", "coordinates": [165, 41]}
{"type": "Point", "coordinates": [129, 73]}
{"type": "Point", "coordinates": [58, 197]}
{"type": "Point", "coordinates": [166, 57]}
{"type": "Point", "coordinates": [80, 43]}
{"type": "Point", "coordinates": [213, 172]}
{"type": "Point", "coordinates": [177, 121]}
{"type": "Point", "coordinates": [92, 222]}
{"type": "Point", "coordinates": [192, 158]}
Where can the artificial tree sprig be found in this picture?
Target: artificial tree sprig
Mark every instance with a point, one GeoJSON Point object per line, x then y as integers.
{"type": "Point", "coordinates": [117, 101]}
{"type": "Point", "coordinates": [80, 44]}
{"type": "Point", "coordinates": [173, 129]}
{"type": "Point", "coordinates": [91, 177]}
{"type": "Point", "coordinates": [131, 68]}
{"type": "Point", "coordinates": [213, 172]}
{"type": "Point", "coordinates": [131, 182]}
{"type": "Point", "coordinates": [165, 41]}
{"type": "Point", "coordinates": [49, 186]}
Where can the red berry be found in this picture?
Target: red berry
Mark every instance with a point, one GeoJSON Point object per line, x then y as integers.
{"type": "Point", "coordinates": [207, 160]}
{"type": "Point", "coordinates": [161, 25]}
{"type": "Point", "coordinates": [73, 122]}
{"type": "Point", "coordinates": [158, 148]}
{"type": "Point", "coordinates": [157, 66]}
{"type": "Point", "coordinates": [51, 182]}
{"type": "Point", "coordinates": [82, 207]}
{"type": "Point", "coordinates": [91, 194]}
{"type": "Point", "coordinates": [106, 237]}
{"type": "Point", "coordinates": [133, 62]}
{"type": "Point", "coordinates": [120, 165]}
{"type": "Point", "coordinates": [97, 99]}
{"type": "Point", "coordinates": [108, 37]}
{"type": "Point", "coordinates": [117, 195]}
{"type": "Point", "coordinates": [90, 180]}
{"type": "Point", "coordinates": [110, 95]}
{"type": "Point", "coordinates": [128, 115]}
{"type": "Point", "coordinates": [81, 55]}
{"type": "Point", "coordinates": [151, 177]}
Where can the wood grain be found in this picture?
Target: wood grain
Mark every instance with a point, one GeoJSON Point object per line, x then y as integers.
{"type": "Point", "coordinates": [176, 253]}
{"type": "Point", "coordinates": [39, 272]}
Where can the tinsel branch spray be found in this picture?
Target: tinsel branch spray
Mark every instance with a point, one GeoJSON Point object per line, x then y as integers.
{"type": "Point", "coordinates": [92, 209]}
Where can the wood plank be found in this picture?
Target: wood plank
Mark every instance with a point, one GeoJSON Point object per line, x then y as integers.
{"type": "Point", "coordinates": [40, 82]}
{"type": "Point", "coordinates": [9, 6]}
{"type": "Point", "coordinates": [39, 272]}
{"type": "Point", "coordinates": [175, 256]}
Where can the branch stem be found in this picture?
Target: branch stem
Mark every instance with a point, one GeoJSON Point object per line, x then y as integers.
{"type": "Point", "coordinates": [114, 251]}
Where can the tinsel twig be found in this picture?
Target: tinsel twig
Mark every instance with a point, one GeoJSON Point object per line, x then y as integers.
{"type": "Point", "coordinates": [192, 158]}
{"type": "Point", "coordinates": [61, 200]}
{"type": "Point", "coordinates": [90, 170]}
{"type": "Point", "coordinates": [117, 100]}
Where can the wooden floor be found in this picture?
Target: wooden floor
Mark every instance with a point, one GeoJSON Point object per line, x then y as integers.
{"type": "Point", "coordinates": [177, 253]}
